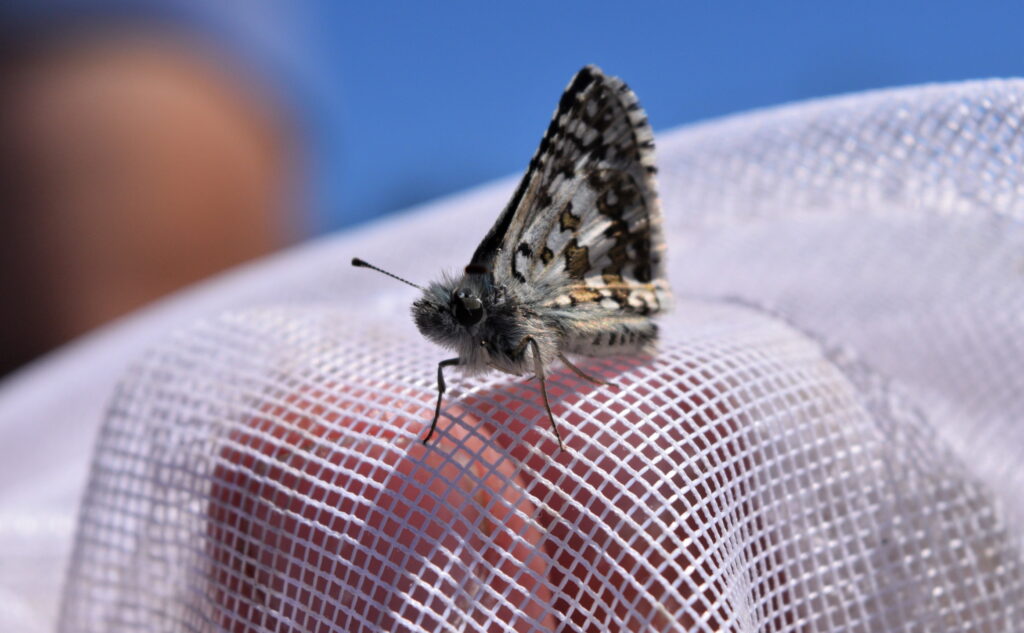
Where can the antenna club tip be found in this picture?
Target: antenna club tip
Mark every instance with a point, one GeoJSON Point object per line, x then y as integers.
{"type": "Point", "coordinates": [360, 263]}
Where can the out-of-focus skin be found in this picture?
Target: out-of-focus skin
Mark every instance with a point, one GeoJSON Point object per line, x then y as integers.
{"type": "Point", "coordinates": [307, 526]}
{"type": "Point", "coordinates": [134, 163]}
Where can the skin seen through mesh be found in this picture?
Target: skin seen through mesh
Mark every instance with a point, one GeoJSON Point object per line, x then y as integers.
{"type": "Point", "coordinates": [477, 517]}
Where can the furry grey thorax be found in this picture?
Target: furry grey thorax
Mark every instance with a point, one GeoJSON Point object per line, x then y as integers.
{"type": "Point", "coordinates": [496, 340]}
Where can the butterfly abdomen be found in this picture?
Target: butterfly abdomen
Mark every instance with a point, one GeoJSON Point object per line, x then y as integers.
{"type": "Point", "coordinates": [633, 337]}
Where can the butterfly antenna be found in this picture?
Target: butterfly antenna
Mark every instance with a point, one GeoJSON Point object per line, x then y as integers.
{"type": "Point", "coordinates": [361, 264]}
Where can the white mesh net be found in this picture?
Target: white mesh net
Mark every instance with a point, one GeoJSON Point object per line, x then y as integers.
{"type": "Point", "coordinates": [829, 440]}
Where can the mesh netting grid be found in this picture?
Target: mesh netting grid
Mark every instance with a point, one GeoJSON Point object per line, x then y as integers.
{"type": "Point", "coordinates": [857, 472]}
{"type": "Point", "coordinates": [717, 490]}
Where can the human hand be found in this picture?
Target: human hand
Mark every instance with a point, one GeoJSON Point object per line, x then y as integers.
{"type": "Point", "coordinates": [330, 512]}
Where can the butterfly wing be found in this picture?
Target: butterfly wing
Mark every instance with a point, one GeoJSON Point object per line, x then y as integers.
{"type": "Point", "coordinates": [582, 234]}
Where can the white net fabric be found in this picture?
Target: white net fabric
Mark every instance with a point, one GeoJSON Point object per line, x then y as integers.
{"type": "Point", "coordinates": [829, 440]}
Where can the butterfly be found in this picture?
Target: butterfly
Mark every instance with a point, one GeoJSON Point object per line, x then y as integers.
{"type": "Point", "coordinates": [574, 265]}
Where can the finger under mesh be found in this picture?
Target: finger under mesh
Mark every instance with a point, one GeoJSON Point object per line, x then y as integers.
{"type": "Point", "coordinates": [263, 471]}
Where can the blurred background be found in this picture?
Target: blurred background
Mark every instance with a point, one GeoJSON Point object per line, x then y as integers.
{"type": "Point", "coordinates": [146, 145]}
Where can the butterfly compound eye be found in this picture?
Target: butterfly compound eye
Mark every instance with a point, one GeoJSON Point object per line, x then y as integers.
{"type": "Point", "coordinates": [467, 308]}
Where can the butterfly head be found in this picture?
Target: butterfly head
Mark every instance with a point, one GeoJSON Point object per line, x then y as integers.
{"type": "Point", "coordinates": [449, 311]}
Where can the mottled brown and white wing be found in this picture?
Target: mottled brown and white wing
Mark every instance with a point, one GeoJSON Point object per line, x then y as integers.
{"type": "Point", "coordinates": [582, 234]}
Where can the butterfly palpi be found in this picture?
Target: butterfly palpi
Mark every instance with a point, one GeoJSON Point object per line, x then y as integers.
{"type": "Point", "coordinates": [574, 264]}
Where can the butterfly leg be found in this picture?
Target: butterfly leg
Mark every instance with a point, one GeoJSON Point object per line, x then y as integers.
{"type": "Point", "coordinates": [440, 392]}
{"type": "Point", "coordinates": [538, 370]}
{"type": "Point", "coordinates": [579, 372]}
